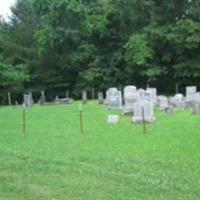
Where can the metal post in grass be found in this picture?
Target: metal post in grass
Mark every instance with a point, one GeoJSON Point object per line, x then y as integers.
{"type": "Point", "coordinates": [81, 118]}
{"type": "Point", "coordinates": [24, 119]}
{"type": "Point", "coordinates": [9, 99]}
{"type": "Point", "coordinates": [143, 120]}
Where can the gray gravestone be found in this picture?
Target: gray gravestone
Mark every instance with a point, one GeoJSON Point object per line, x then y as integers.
{"type": "Point", "coordinates": [113, 119]}
{"type": "Point", "coordinates": [163, 102]}
{"type": "Point", "coordinates": [84, 97]}
{"type": "Point", "coordinates": [9, 99]}
{"type": "Point", "coordinates": [153, 95]}
{"type": "Point", "coordinates": [42, 98]}
{"type": "Point", "coordinates": [27, 101]}
{"type": "Point", "coordinates": [143, 111]}
{"type": "Point", "coordinates": [100, 98]}
{"type": "Point", "coordinates": [178, 101]}
{"type": "Point", "coordinates": [131, 96]}
{"type": "Point", "coordinates": [196, 103]}
{"type": "Point", "coordinates": [114, 98]}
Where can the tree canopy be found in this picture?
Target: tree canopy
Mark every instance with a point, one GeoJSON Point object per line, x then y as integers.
{"type": "Point", "coordinates": [81, 44]}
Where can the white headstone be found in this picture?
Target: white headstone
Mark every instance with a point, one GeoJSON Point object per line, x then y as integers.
{"type": "Point", "coordinates": [144, 110]}
{"type": "Point", "coordinates": [131, 96]}
{"type": "Point", "coordinates": [190, 91]}
{"type": "Point", "coordinates": [27, 100]}
{"type": "Point", "coordinates": [113, 119]}
{"type": "Point", "coordinates": [178, 101]}
{"type": "Point", "coordinates": [114, 98]}
{"type": "Point", "coordinates": [163, 102]}
{"type": "Point", "coordinates": [153, 95]}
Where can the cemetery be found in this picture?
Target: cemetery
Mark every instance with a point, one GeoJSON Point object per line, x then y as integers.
{"type": "Point", "coordinates": [98, 145]}
{"type": "Point", "coordinates": [99, 100]}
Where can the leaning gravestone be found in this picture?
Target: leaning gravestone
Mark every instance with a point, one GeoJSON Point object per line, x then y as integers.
{"type": "Point", "coordinates": [84, 97]}
{"type": "Point", "coordinates": [100, 98]}
{"type": "Point", "coordinates": [131, 96]}
{"type": "Point", "coordinates": [114, 98]}
{"type": "Point", "coordinates": [143, 111]}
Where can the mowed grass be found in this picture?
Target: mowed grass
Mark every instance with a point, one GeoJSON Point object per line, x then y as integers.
{"type": "Point", "coordinates": [54, 161]}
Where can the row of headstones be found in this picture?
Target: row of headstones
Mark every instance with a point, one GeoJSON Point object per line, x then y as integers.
{"type": "Point", "coordinates": [142, 102]}
{"type": "Point", "coordinates": [28, 99]}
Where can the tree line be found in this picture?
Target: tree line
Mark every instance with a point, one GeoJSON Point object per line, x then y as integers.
{"type": "Point", "coordinates": [77, 45]}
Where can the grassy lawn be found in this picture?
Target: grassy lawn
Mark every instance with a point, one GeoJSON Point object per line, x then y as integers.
{"type": "Point", "coordinates": [108, 162]}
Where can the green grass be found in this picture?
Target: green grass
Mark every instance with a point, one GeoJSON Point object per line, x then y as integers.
{"type": "Point", "coordinates": [55, 162]}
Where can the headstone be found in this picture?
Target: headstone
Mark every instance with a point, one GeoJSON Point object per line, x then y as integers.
{"type": "Point", "coordinates": [163, 102]}
{"type": "Point", "coordinates": [113, 119]}
{"type": "Point", "coordinates": [141, 92]}
{"type": "Point", "coordinates": [100, 98]}
{"type": "Point", "coordinates": [114, 98]}
{"type": "Point", "coordinates": [67, 94]}
{"type": "Point", "coordinates": [42, 99]}
{"type": "Point", "coordinates": [190, 92]}
{"type": "Point", "coordinates": [169, 110]}
{"type": "Point", "coordinates": [131, 96]}
{"type": "Point", "coordinates": [84, 97]}
{"type": "Point", "coordinates": [153, 95]}
{"type": "Point", "coordinates": [56, 98]}
{"type": "Point", "coordinates": [178, 101]}
{"type": "Point", "coordinates": [144, 111]}
{"type": "Point", "coordinates": [93, 94]}
{"type": "Point", "coordinates": [27, 101]}
{"type": "Point", "coordinates": [31, 98]}
{"type": "Point", "coordinates": [196, 97]}
{"type": "Point", "coordinates": [196, 109]}
{"type": "Point", "coordinates": [196, 103]}
{"type": "Point", "coordinates": [9, 99]}
{"type": "Point", "coordinates": [145, 96]}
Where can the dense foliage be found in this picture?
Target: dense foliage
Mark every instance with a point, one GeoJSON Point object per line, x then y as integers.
{"type": "Point", "coordinates": [81, 44]}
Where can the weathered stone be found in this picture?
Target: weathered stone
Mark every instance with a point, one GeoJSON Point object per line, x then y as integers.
{"type": "Point", "coordinates": [143, 111]}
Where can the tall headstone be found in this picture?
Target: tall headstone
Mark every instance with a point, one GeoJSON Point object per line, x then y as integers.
{"type": "Point", "coordinates": [27, 101]}
{"type": "Point", "coordinates": [131, 96]}
{"type": "Point", "coordinates": [31, 98]}
{"type": "Point", "coordinates": [143, 111]}
{"type": "Point", "coordinates": [93, 94]}
{"type": "Point", "coordinates": [190, 92]}
{"type": "Point", "coordinates": [9, 99]}
{"type": "Point", "coordinates": [84, 97]}
{"type": "Point", "coordinates": [67, 94]}
{"type": "Point", "coordinates": [196, 103]}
